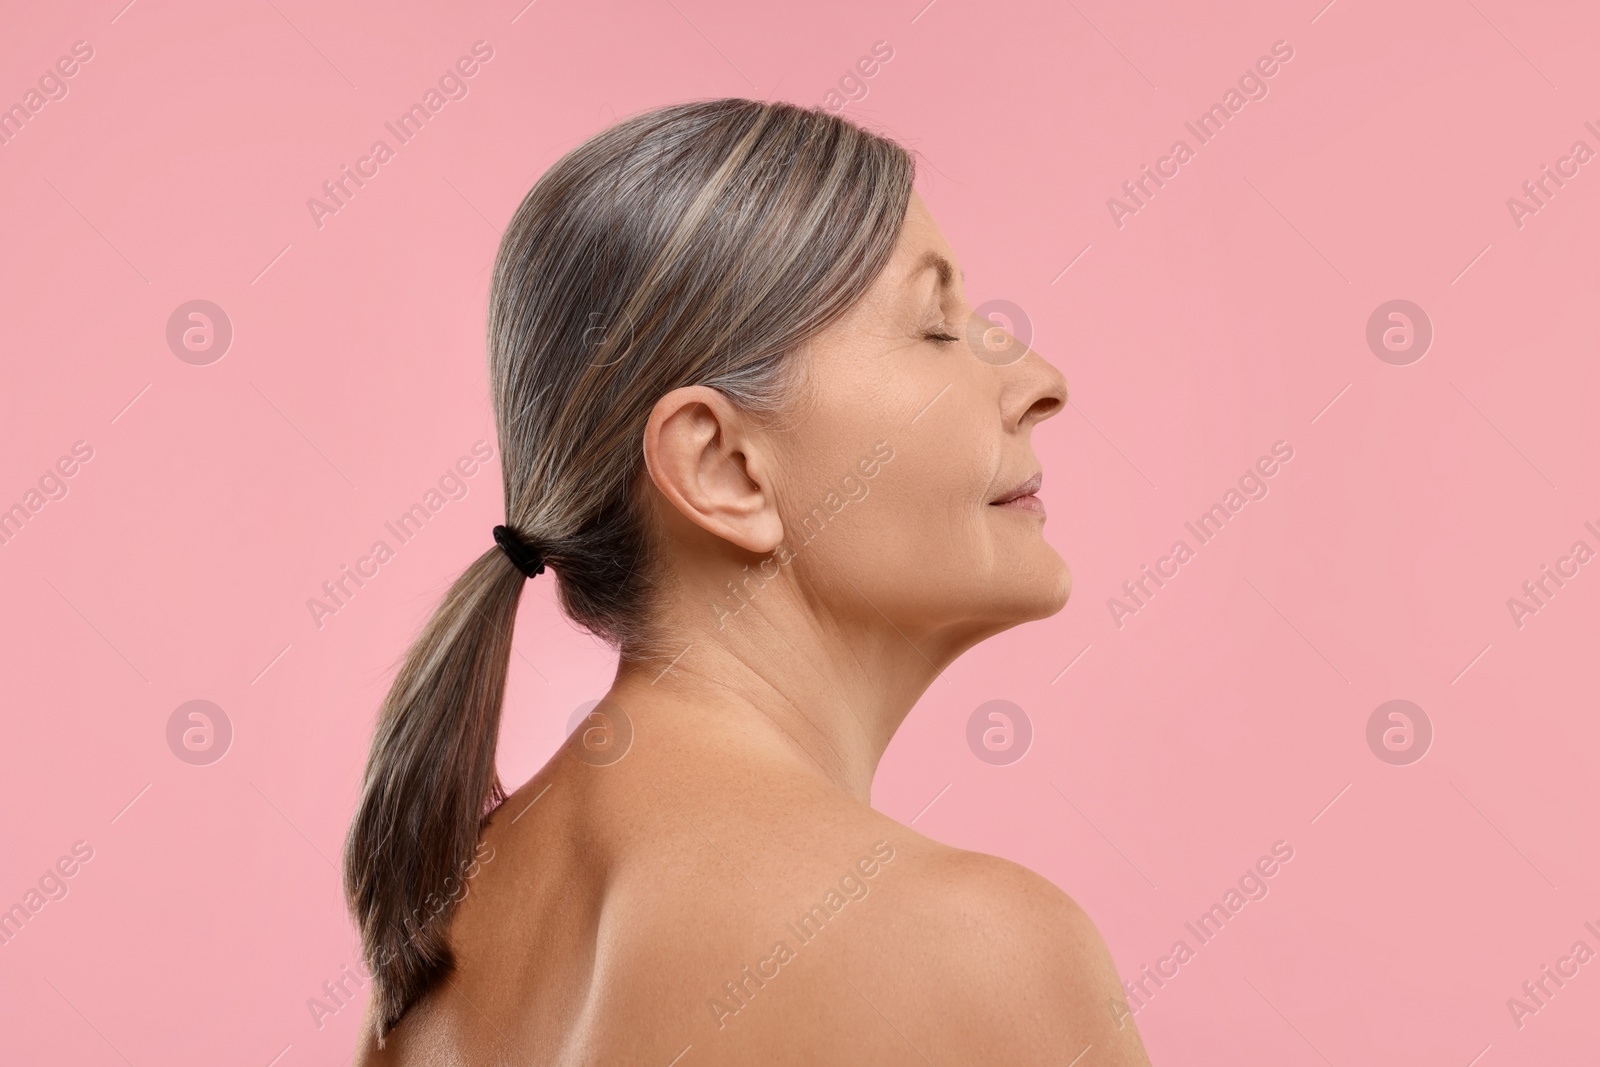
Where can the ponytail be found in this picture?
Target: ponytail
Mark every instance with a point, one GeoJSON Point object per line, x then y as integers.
{"type": "Point", "coordinates": [430, 780]}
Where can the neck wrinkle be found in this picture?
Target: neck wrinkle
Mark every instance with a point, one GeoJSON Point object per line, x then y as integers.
{"type": "Point", "coordinates": [795, 688]}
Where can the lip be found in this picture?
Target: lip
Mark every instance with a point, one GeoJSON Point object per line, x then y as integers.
{"type": "Point", "coordinates": [1022, 498]}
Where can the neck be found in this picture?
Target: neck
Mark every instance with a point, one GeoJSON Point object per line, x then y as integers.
{"type": "Point", "coordinates": [778, 682]}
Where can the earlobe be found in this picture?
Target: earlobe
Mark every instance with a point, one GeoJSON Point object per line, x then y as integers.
{"type": "Point", "coordinates": [710, 464]}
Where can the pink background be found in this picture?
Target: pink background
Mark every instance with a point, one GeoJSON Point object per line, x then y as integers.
{"type": "Point", "coordinates": [1229, 313]}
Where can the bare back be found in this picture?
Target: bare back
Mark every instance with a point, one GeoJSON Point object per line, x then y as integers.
{"type": "Point", "coordinates": [629, 913]}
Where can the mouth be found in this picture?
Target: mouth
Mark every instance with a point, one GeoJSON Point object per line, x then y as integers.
{"type": "Point", "coordinates": [1022, 498]}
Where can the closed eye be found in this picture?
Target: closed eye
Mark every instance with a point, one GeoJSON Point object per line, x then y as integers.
{"type": "Point", "coordinates": [940, 337]}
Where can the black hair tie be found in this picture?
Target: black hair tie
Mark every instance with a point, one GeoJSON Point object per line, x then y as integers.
{"type": "Point", "coordinates": [521, 554]}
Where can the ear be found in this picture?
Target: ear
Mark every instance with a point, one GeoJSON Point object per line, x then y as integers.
{"type": "Point", "coordinates": [711, 463]}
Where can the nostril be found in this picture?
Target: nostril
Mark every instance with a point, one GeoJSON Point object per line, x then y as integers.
{"type": "Point", "coordinates": [1045, 407]}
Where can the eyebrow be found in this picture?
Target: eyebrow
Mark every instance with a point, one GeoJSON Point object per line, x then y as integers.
{"type": "Point", "coordinates": [934, 261]}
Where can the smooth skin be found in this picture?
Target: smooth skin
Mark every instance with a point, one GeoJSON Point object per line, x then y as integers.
{"type": "Point", "coordinates": [616, 899]}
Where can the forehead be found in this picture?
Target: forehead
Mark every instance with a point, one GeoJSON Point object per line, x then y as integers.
{"type": "Point", "coordinates": [923, 261]}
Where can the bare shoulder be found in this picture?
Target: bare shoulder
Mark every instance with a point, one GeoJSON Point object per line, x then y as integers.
{"type": "Point", "coordinates": [1010, 968]}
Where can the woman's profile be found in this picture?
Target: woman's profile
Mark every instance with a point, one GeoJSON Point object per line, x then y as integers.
{"type": "Point", "coordinates": [754, 433]}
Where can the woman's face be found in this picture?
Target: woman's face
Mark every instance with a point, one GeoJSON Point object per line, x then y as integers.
{"type": "Point", "coordinates": [890, 476]}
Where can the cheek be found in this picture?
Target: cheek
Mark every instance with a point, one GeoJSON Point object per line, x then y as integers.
{"type": "Point", "coordinates": [924, 511]}
{"type": "Point", "coordinates": [930, 434]}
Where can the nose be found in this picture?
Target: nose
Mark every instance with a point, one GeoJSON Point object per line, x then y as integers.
{"type": "Point", "coordinates": [1032, 390]}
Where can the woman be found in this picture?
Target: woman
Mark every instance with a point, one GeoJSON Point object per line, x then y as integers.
{"type": "Point", "coordinates": [745, 423]}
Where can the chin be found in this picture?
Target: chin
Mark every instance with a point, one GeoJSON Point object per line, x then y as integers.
{"type": "Point", "coordinates": [1064, 584]}
{"type": "Point", "coordinates": [1055, 589]}
{"type": "Point", "coordinates": [1032, 592]}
